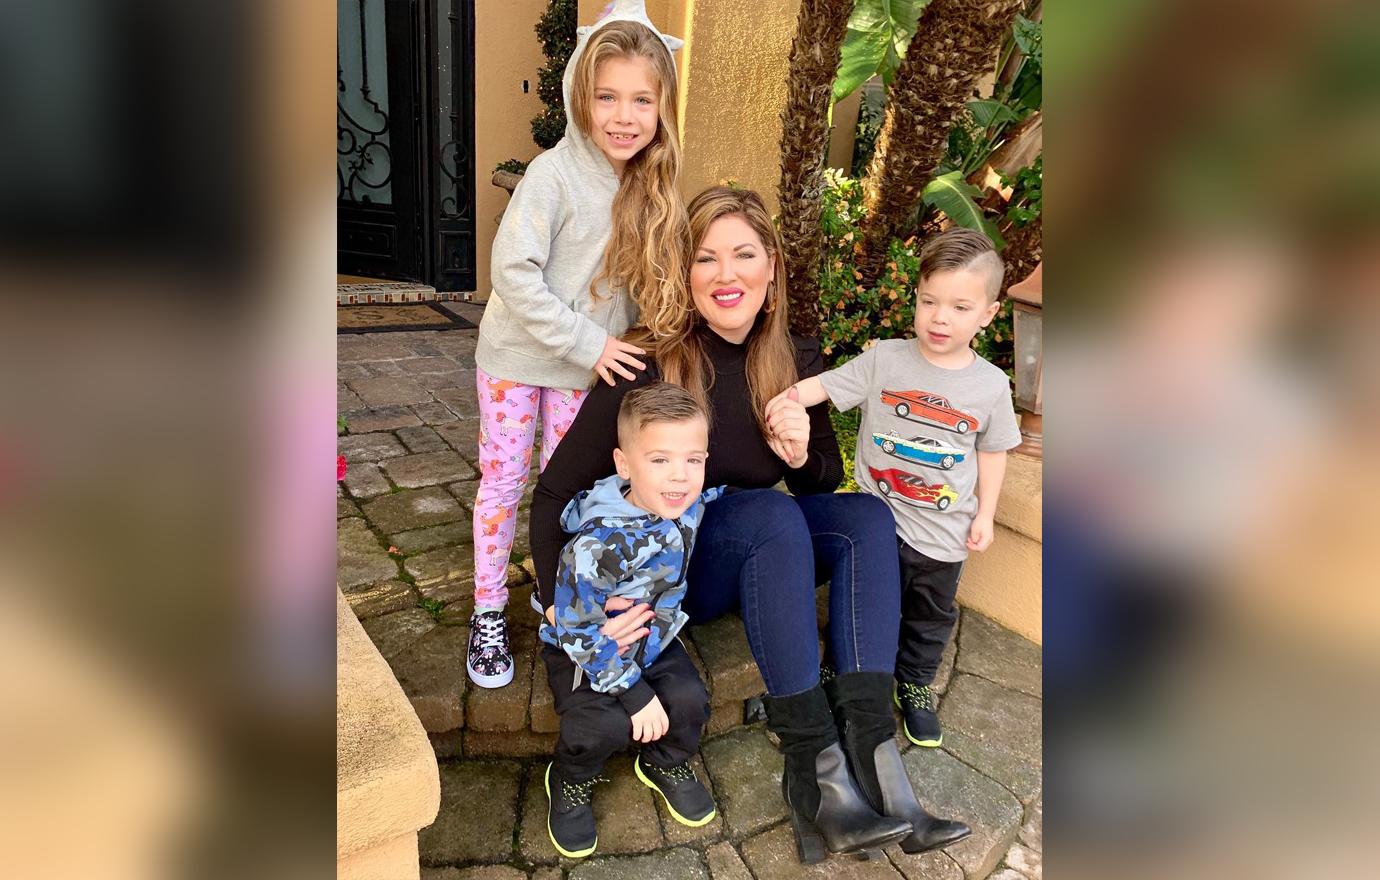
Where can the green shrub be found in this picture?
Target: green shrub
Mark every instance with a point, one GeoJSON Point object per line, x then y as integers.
{"type": "Point", "coordinates": [516, 166]}
{"type": "Point", "coordinates": [556, 30]}
{"type": "Point", "coordinates": [846, 430]}
{"type": "Point", "coordinates": [852, 315]}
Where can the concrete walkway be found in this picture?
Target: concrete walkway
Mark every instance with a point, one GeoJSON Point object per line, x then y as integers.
{"type": "Point", "coordinates": [406, 565]}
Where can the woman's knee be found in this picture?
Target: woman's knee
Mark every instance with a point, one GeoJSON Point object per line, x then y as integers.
{"type": "Point", "coordinates": [871, 513]}
{"type": "Point", "coordinates": [774, 518]}
{"type": "Point", "coordinates": [864, 520]}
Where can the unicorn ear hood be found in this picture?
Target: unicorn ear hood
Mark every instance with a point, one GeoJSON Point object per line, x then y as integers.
{"type": "Point", "coordinates": [619, 10]}
{"type": "Point", "coordinates": [625, 10]}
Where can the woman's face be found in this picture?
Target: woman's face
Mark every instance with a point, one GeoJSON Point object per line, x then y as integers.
{"type": "Point", "coordinates": [729, 274]}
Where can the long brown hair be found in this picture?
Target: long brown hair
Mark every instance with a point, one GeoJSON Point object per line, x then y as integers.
{"type": "Point", "coordinates": [646, 241]}
{"type": "Point", "coordinates": [680, 354]}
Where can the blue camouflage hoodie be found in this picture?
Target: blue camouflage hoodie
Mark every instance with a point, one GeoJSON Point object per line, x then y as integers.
{"type": "Point", "coordinates": [619, 549]}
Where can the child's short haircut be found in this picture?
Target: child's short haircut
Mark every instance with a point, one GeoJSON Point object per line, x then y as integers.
{"type": "Point", "coordinates": [960, 248]}
{"type": "Point", "coordinates": [658, 402]}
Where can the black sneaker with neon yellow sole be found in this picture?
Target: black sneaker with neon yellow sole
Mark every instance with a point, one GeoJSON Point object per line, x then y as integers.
{"type": "Point", "coordinates": [919, 718]}
{"type": "Point", "coordinates": [569, 814]}
{"type": "Point", "coordinates": [686, 797]}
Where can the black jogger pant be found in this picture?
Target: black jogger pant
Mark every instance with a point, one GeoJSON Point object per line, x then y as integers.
{"type": "Point", "coordinates": [595, 725]}
{"type": "Point", "coordinates": [928, 613]}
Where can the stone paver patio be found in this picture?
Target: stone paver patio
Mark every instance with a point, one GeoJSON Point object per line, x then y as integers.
{"type": "Point", "coordinates": [406, 565]}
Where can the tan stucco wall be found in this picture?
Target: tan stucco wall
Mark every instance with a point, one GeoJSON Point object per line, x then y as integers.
{"type": "Point", "coordinates": [735, 91]}
{"type": "Point", "coordinates": [1005, 582]}
{"type": "Point", "coordinates": [506, 52]}
{"type": "Point", "coordinates": [845, 120]}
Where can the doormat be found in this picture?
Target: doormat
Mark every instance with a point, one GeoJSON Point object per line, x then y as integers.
{"type": "Point", "coordinates": [386, 318]}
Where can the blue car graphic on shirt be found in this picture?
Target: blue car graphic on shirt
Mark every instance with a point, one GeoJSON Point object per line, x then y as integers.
{"type": "Point", "coordinates": [924, 450]}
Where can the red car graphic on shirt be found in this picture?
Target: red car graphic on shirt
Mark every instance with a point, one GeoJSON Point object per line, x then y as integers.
{"type": "Point", "coordinates": [921, 406]}
{"type": "Point", "coordinates": [898, 484]}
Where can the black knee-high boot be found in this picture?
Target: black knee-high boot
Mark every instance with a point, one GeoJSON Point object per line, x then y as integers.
{"type": "Point", "coordinates": [827, 810]}
{"type": "Point", "coordinates": [861, 702]}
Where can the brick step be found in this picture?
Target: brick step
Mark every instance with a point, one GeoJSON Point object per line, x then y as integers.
{"type": "Point", "coordinates": [519, 721]}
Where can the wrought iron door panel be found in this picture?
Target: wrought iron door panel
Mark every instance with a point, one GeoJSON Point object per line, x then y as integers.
{"type": "Point", "coordinates": [378, 184]}
{"type": "Point", "coordinates": [452, 172]}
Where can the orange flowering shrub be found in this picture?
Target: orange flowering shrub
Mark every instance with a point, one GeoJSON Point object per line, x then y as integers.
{"type": "Point", "coordinates": [851, 314]}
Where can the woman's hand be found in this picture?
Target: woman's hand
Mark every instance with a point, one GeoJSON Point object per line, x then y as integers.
{"type": "Point", "coordinates": [618, 354]}
{"type": "Point", "coordinates": [793, 454]}
{"type": "Point", "coordinates": [626, 628]}
{"type": "Point", "coordinates": [789, 424]}
{"type": "Point", "coordinates": [630, 626]}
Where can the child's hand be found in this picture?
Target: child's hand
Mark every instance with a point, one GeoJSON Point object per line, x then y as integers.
{"type": "Point", "coordinates": [775, 403]}
{"type": "Point", "coordinates": [981, 533]}
{"type": "Point", "coordinates": [650, 723]}
{"type": "Point", "coordinates": [618, 354]}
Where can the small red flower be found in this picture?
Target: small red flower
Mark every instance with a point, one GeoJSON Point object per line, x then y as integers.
{"type": "Point", "coordinates": [339, 468]}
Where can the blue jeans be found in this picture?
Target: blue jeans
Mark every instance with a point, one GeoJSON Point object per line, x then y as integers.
{"type": "Point", "coordinates": [763, 552]}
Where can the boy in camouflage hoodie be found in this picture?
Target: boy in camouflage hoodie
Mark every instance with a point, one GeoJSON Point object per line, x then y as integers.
{"type": "Point", "coordinates": [634, 532]}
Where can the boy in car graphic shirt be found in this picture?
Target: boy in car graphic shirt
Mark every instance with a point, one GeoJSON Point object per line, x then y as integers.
{"type": "Point", "coordinates": [937, 422]}
{"type": "Point", "coordinates": [922, 429]}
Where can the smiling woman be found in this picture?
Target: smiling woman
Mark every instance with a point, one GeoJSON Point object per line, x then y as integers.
{"type": "Point", "coordinates": [729, 277]}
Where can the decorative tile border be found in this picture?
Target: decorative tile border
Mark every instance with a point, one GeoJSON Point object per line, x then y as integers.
{"type": "Point", "coordinates": [387, 292]}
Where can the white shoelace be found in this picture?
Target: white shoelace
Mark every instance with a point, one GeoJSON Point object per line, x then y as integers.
{"type": "Point", "coordinates": [492, 632]}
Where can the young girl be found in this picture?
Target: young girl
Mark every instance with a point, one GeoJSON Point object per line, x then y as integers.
{"type": "Point", "coordinates": [593, 235]}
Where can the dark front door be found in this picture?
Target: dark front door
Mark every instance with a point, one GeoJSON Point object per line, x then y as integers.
{"type": "Point", "coordinates": [452, 178]}
{"type": "Point", "coordinates": [405, 140]}
{"type": "Point", "coordinates": [378, 175]}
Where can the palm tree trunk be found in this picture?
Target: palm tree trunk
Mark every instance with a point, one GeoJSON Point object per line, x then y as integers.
{"type": "Point", "coordinates": [955, 43]}
{"type": "Point", "coordinates": [819, 33]}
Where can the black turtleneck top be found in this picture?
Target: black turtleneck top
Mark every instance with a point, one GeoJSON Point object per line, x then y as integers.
{"type": "Point", "coordinates": [738, 456]}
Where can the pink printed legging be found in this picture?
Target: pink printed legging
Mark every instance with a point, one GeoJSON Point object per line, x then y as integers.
{"type": "Point", "coordinates": [508, 415]}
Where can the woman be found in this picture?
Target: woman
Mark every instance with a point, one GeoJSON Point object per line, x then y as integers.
{"type": "Point", "coordinates": [762, 551]}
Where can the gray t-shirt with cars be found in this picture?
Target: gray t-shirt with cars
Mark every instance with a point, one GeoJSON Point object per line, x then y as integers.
{"type": "Point", "coordinates": [922, 427]}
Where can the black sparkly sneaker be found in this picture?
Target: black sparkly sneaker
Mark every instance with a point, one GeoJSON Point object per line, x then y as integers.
{"type": "Point", "coordinates": [685, 796]}
{"type": "Point", "coordinates": [569, 816]}
{"type": "Point", "coordinates": [920, 722]}
{"type": "Point", "coordinates": [490, 660]}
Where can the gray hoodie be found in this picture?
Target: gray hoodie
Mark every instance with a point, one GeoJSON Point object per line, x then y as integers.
{"type": "Point", "coordinates": [541, 326]}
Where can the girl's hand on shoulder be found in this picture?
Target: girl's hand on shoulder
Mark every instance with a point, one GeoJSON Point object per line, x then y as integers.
{"type": "Point", "coordinates": [618, 355]}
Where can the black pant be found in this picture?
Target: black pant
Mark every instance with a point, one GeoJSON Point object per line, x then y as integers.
{"type": "Point", "coordinates": [928, 613]}
{"type": "Point", "coordinates": [595, 725]}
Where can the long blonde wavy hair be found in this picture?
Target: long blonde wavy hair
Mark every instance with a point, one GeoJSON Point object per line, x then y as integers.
{"type": "Point", "coordinates": [679, 352]}
{"type": "Point", "coordinates": [647, 239]}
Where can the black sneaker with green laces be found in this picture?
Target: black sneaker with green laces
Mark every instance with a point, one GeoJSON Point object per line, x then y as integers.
{"type": "Point", "coordinates": [569, 816]}
{"type": "Point", "coordinates": [685, 796]}
{"type": "Point", "coordinates": [920, 721]}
